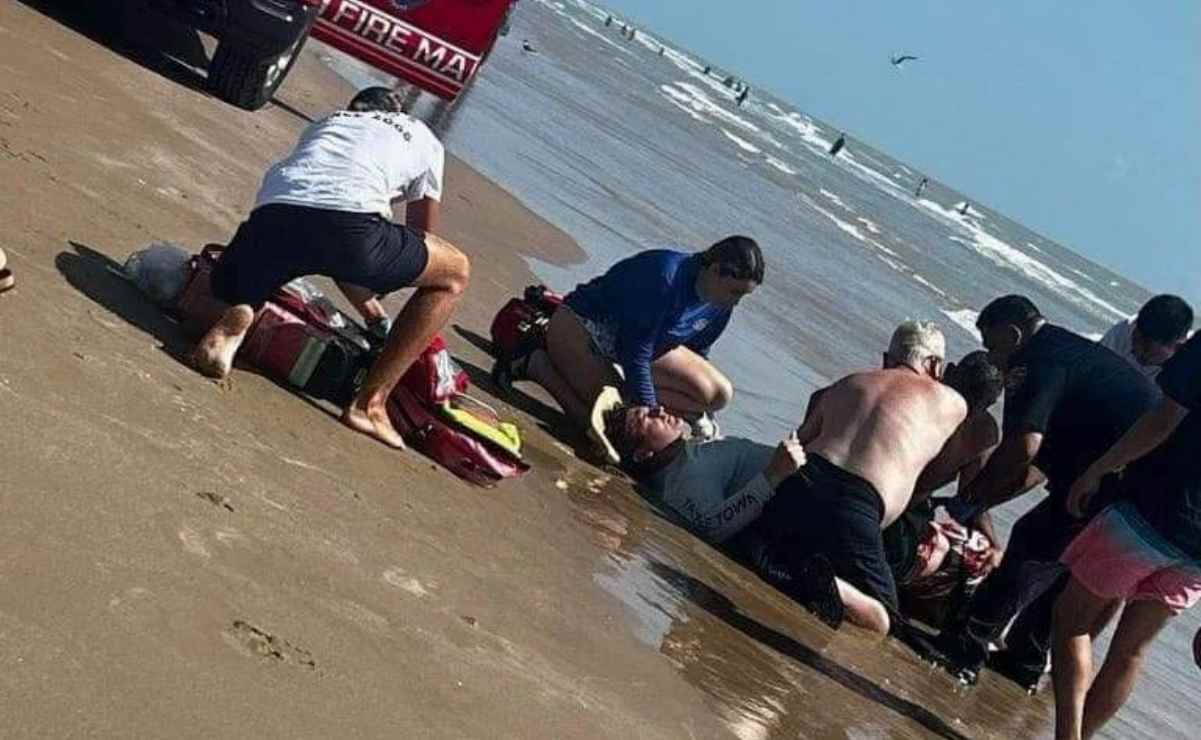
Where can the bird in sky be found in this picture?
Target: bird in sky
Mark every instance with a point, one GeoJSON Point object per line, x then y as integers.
{"type": "Point", "coordinates": [898, 60]}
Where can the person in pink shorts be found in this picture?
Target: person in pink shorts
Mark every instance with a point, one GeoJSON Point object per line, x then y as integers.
{"type": "Point", "coordinates": [1144, 550]}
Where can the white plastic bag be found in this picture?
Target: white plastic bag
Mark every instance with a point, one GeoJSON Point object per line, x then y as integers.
{"type": "Point", "coordinates": [161, 270]}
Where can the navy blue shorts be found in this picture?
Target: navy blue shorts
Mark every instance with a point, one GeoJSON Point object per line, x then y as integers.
{"type": "Point", "coordinates": [281, 242]}
{"type": "Point", "coordinates": [823, 509]}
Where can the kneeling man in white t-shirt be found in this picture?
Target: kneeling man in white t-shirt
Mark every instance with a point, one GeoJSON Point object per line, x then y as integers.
{"type": "Point", "coordinates": [326, 210]}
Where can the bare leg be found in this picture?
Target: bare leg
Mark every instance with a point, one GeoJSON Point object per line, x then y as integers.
{"type": "Point", "coordinates": [214, 354]}
{"type": "Point", "coordinates": [1077, 613]}
{"type": "Point", "coordinates": [1140, 624]}
{"type": "Point", "coordinates": [365, 301]}
{"type": "Point", "coordinates": [574, 374]}
{"type": "Point", "coordinates": [689, 385]}
{"type": "Point", "coordinates": [862, 610]}
{"type": "Point", "coordinates": [542, 371]}
{"type": "Point", "coordinates": [439, 289]}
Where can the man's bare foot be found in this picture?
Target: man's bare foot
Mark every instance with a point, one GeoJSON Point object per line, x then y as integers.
{"type": "Point", "coordinates": [214, 355]}
{"type": "Point", "coordinates": [374, 422]}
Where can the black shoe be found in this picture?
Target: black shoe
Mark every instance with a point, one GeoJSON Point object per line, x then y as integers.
{"type": "Point", "coordinates": [509, 369]}
{"type": "Point", "coordinates": [1020, 672]}
{"type": "Point", "coordinates": [812, 585]}
{"type": "Point", "coordinates": [959, 655]}
{"type": "Point", "coordinates": [820, 591]}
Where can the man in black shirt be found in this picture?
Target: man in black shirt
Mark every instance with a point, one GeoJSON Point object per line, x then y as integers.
{"type": "Point", "coordinates": [1067, 400]}
{"type": "Point", "coordinates": [1145, 550]}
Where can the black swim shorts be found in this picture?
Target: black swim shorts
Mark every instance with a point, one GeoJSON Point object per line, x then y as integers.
{"type": "Point", "coordinates": [281, 242]}
{"type": "Point", "coordinates": [824, 510]}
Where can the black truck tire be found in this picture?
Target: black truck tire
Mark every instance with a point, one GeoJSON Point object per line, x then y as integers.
{"type": "Point", "coordinates": [244, 78]}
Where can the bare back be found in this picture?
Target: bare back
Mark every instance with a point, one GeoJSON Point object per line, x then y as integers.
{"type": "Point", "coordinates": [884, 426]}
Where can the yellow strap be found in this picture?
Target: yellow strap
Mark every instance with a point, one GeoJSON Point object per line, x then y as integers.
{"type": "Point", "coordinates": [504, 434]}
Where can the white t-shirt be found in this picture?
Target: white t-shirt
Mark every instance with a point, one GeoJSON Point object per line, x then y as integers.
{"type": "Point", "coordinates": [358, 162]}
{"type": "Point", "coordinates": [1120, 339]}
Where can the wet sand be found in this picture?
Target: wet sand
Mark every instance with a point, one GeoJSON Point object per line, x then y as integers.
{"type": "Point", "coordinates": [184, 558]}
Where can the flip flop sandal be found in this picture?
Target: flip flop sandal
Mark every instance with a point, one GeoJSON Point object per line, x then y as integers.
{"type": "Point", "coordinates": [606, 400]}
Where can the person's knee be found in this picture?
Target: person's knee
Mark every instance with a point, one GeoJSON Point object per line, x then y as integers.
{"type": "Point", "coordinates": [448, 268]}
{"type": "Point", "coordinates": [460, 274]}
{"type": "Point", "coordinates": [722, 392]}
{"type": "Point", "coordinates": [715, 391]}
{"type": "Point", "coordinates": [1075, 611]}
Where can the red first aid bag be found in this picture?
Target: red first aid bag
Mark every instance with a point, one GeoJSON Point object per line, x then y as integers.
{"type": "Point", "coordinates": [522, 319]}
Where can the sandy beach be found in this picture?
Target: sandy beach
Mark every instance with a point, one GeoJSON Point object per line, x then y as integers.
{"type": "Point", "coordinates": [188, 559]}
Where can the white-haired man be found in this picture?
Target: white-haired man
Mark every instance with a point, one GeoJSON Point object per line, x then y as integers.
{"type": "Point", "coordinates": [866, 443]}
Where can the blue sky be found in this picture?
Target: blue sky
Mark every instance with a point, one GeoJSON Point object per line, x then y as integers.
{"type": "Point", "coordinates": [1080, 120]}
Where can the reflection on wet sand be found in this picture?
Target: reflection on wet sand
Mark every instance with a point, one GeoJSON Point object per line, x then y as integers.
{"type": "Point", "coordinates": [768, 668]}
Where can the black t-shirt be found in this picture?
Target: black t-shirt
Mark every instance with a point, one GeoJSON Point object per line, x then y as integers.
{"type": "Point", "coordinates": [1166, 483]}
{"type": "Point", "coordinates": [1081, 396]}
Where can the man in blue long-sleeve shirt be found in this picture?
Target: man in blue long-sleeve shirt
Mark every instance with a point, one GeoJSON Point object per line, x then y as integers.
{"type": "Point", "coordinates": [653, 315]}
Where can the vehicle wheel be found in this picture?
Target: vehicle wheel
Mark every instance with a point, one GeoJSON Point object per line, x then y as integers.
{"type": "Point", "coordinates": [245, 79]}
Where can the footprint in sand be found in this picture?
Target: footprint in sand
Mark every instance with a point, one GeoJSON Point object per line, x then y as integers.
{"type": "Point", "coordinates": [398, 578]}
{"type": "Point", "coordinates": [215, 499]}
{"type": "Point", "coordinates": [253, 641]}
{"type": "Point", "coordinates": [193, 542]}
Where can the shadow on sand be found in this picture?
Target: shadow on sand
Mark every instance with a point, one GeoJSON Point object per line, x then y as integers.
{"type": "Point", "coordinates": [549, 418]}
{"type": "Point", "coordinates": [721, 607]}
{"type": "Point", "coordinates": [99, 277]}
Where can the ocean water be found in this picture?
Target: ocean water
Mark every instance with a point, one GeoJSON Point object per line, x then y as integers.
{"type": "Point", "coordinates": [626, 148]}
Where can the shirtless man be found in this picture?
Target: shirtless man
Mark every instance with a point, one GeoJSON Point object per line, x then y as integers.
{"type": "Point", "coordinates": [867, 441]}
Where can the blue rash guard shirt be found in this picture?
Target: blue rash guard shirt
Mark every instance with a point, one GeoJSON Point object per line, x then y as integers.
{"type": "Point", "coordinates": [650, 301]}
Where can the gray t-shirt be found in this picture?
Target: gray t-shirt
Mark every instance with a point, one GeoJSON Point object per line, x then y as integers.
{"type": "Point", "coordinates": [716, 487]}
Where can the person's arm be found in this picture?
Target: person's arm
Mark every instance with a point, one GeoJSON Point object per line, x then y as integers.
{"type": "Point", "coordinates": [811, 427]}
{"type": "Point", "coordinates": [423, 193]}
{"type": "Point", "coordinates": [1112, 339]}
{"type": "Point", "coordinates": [645, 290]}
{"type": "Point", "coordinates": [984, 523]}
{"type": "Point", "coordinates": [365, 301]}
{"type": "Point", "coordinates": [703, 340]}
{"type": "Point", "coordinates": [1033, 393]}
{"type": "Point", "coordinates": [1150, 431]}
{"type": "Point", "coordinates": [423, 215]}
{"type": "Point", "coordinates": [788, 458]}
{"type": "Point", "coordinates": [636, 349]}
{"type": "Point", "coordinates": [1007, 471]}
{"type": "Point", "coordinates": [961, 457]}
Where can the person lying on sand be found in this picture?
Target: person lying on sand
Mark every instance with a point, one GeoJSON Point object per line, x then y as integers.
{"type": "Point", "coordinates": [654, 315]}
{"type": "Point", "coordinates": [727, 487]}
{"type": "Point", "coordinates": [718, 487]}
{"type": "Point", "coordinates": [325, 210]}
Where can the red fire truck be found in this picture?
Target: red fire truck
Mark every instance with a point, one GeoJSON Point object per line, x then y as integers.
{"type": "Point", "coordinates": [435, 45]}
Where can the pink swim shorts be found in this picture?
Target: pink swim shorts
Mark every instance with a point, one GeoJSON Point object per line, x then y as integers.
{"type": "Point", "coordinates": [1120, 556]}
